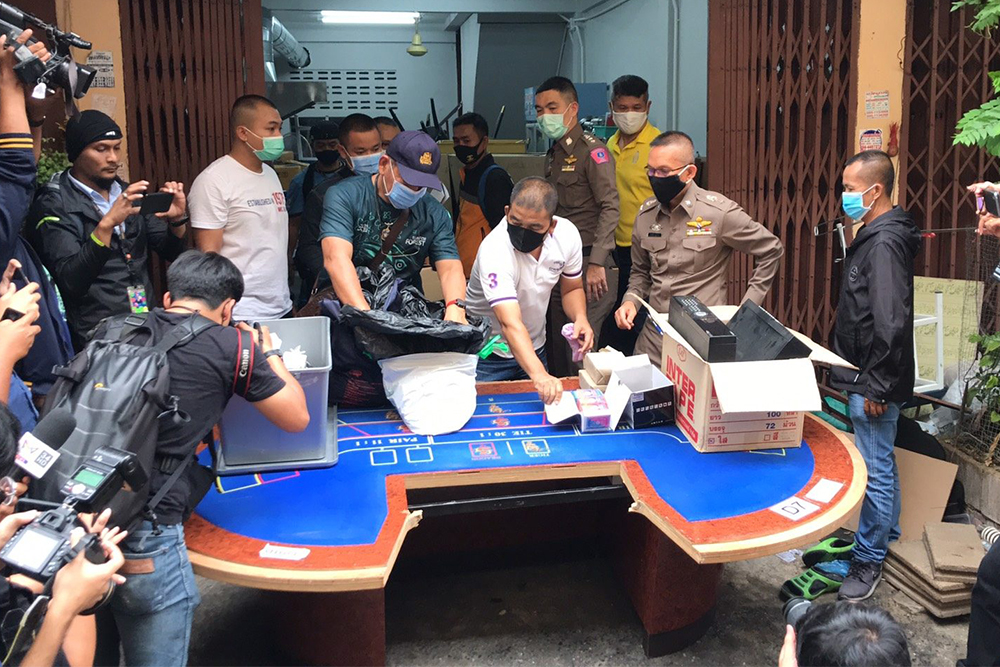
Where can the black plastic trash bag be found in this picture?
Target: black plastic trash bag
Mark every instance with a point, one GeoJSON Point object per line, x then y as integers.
{"type": "Point", "coordinates": [401, 321]}
{"type": "Point", "coordinates": [385, 334]}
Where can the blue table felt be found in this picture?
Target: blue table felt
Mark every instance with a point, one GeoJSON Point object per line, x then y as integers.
{"type": "Point", "coordinates": [346, 505]}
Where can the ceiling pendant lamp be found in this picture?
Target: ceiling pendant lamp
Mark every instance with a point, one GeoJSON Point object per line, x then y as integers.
{"type": "Point", "coordinates": [416, 47]}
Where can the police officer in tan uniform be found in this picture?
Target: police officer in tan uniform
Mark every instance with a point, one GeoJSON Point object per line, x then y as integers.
{"type": "Point", "coordinates": [582, 170]}
{"type": "Point", "coordinates": [683, 239]}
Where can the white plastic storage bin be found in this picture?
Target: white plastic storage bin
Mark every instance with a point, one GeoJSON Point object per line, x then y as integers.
{"type": "Point", "coordinates": [250, 443]}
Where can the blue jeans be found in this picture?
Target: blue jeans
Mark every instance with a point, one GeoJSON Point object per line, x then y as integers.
{"type": "Point", "coordinates": [154, 609]}
{"type": "Point", "coordinates": [497, 369]}
{"type": "Point", "coordinates": [879, 522]}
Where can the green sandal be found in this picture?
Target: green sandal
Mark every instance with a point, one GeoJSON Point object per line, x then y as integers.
{"type": "Point", "coordinates": [810, 585]}
{"type": "Point", "coordinates": [832, 548]}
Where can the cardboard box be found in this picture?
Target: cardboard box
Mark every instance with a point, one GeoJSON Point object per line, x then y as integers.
{"type": "Point", "coordinates": [587, 382]}
{"type": "Point", "coordinates": [587, 404]}
{"type": "Point", "coordinates": [639, 395]}
{"type": "Point", "coordinates": [600, 365]}
{"type": "Point", "coordinates": [742, 405]}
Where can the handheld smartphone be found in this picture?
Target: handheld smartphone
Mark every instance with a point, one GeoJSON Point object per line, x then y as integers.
{"type": "Point", "coordinates": [12, 315]}
{"type": "Point", "coordinates": [991, 202]}
{"type": "Point", "coordinates": [157, 202]}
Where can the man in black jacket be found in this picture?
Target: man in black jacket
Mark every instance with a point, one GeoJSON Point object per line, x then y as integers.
{"type": "Point", "coordinates": [874, 331]}
{"type": "Point", "coordinates": [87, 229]}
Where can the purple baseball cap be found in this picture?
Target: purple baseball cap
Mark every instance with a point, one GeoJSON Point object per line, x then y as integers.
{"type": "Point", "coordinates": [418, 158]}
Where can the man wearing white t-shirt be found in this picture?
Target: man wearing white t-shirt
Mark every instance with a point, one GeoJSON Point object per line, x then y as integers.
{"type": "Point", "coordinates": [518, 265]}
{"type": "Point", "coordinates": [237, 208]}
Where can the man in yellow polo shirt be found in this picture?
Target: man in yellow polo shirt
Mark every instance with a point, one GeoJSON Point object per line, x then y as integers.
{"type": "Point", "coordinates": [630, 151]}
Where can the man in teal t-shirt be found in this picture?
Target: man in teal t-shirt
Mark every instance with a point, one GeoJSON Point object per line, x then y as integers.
{"type": "Point", "coordinates": [360, 212]}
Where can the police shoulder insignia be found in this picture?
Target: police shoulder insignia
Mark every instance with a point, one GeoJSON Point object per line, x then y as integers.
{"type": "Point", "coordinates": [426, 158]}
{"type": "Point", "coordinates": [718, 201]}
{"type": "Point", "coordinates": [648, 204]}
{"type": "Point", "coordinates": [600, 155]}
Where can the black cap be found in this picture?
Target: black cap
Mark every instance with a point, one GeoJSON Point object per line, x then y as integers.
{"type": "Point", "coordinates": [418, 158]}
{"type": "Point", "coordinates": [324, 131]}
{"type": "Point", "coordinates": [89, 127]}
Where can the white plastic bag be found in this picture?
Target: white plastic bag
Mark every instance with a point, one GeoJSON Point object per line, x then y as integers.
{"type": "Point", "coordinates": [434, 392]}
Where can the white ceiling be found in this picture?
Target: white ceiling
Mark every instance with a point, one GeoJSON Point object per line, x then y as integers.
{"type": "Point", "coordinates": [311, 8]}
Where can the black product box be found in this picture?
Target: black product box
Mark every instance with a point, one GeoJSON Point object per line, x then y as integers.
{"type": "Point", "coordinates": [653, 408]}
{"type": "Point", "coordinates": [702, 329]}
{"type": "Point", "coordinates": [761, 337]}
{"type": "Point", "coordinates": [650, 395]}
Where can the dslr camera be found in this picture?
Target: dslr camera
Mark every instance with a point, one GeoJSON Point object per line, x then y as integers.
{"type": "Point", "coordinates": [60, 71]}
{"type": "Point", "coordinates": [41, 548]}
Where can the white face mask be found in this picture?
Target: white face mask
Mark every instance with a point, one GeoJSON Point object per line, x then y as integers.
{"type": "Point", "coordinates": [630, 122]}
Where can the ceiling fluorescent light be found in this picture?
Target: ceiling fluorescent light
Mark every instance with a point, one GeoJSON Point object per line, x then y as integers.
{"type": "Point", "coordinates": [370, 18]}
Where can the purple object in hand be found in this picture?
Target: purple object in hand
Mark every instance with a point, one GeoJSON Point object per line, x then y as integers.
{"type": "Point", "coordinates": [574, 343]}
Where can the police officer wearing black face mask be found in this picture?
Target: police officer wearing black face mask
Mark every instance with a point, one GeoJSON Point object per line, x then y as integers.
{"type": "Point", "coordinates": [683, 240]}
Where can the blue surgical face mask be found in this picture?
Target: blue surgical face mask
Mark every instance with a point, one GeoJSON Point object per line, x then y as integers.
{"type": "Point", "coordinates": [402, 197]}
{"type": "Point", "coordinates": [366, 165]}
{"type": "Point", "coordinates": [853, 204]}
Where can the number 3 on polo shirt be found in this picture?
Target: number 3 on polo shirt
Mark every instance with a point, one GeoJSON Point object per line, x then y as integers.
{"type": "Point", "coordinates": [493, 280]}
{"type": "Point", "coordinates": [137, 299]}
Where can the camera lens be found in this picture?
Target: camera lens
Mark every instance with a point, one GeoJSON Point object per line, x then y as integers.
{"type": "Point", "coordinates": [795, 609]}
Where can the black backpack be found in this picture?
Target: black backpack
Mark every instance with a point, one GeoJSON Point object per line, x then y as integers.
{"type": "Point", "coordinates": [118, 391]}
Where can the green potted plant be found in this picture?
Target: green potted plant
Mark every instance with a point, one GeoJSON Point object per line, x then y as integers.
{"type": "Point", "coordinates": [52, 161]}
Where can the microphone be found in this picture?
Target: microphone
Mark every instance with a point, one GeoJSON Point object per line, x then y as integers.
{"type": "Point", "coordinates": [37, 450]}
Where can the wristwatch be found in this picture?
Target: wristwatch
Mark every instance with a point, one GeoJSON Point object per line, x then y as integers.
{"type": "Point", "coordinates": [272, 353]}
{"type": "Point", "coordinates": [456, 302]}
{"type": "Point", "coordinates": [180, 223]}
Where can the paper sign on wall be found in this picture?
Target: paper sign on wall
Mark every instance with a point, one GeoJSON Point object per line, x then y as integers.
{"type": "Point", "coordinates": [104, 63]}
{"type": "Point", "coordinates": [877, 104]}
{"type": "Point", "coordinates": [871, 140]}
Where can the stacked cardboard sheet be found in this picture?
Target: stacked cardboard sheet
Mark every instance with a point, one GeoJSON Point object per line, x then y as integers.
{"type": "Point", "coordinates": [939, 570]}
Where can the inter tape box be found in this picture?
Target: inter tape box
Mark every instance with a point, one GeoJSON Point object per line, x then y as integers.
{"type": "Point", "coordinates": [740, 405]}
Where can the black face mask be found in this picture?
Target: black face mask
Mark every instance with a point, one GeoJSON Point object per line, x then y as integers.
{"type": "Point", "coordinates": [328, 158]}
{"type": "Point", "coordinates": [468, 154]}
{"type": "Point", "coordinates": [524, 239]}
{"type": "Point", "coordinates": [666, 187]}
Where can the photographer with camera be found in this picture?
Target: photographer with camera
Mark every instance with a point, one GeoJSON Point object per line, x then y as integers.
{"type": "Point", "coordinates": [95, 232]}
{"type": "Point", "coordinates": [76, 587]}
{"type": "Point", "coordinates": [67, 600]}
{"type": "Point", "coordinates": [841, 634]}
{"type": "Point", "coordinates": [22, 266]}
{"type": "Point", "coordinates": [153, 612]}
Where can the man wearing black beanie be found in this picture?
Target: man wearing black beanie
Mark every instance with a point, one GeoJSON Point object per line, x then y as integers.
{"type": "Point", "coordinates": [86, 227]}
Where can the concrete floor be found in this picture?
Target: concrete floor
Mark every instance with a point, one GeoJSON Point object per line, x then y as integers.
{"type": "Point", "coordinates": [562, 608]}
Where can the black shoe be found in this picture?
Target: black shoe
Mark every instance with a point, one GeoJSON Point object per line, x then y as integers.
{"type": "Point", "coordinates": [861, 580]}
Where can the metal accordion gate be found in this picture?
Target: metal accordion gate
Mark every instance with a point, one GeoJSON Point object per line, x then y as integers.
{"type": "Point", "coordinates": [945, 75]}
{"type": "Point", "coordinates": [186, 61]}
{"type": "Point", "coordinates": [781, 107]}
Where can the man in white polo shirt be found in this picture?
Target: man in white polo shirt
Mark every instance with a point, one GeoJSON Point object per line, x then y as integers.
{"type": "Point", "coordinates": [518, 265]}
{"type": "Point", "coordinates": [237, 208]}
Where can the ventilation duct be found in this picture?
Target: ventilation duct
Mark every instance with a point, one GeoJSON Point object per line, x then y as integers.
{"type": "Point", "coordinates": [279, 41]}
